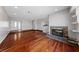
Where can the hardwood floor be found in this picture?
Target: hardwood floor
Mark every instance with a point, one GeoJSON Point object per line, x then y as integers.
{"type": "Point", "coordinates": [34, 41]}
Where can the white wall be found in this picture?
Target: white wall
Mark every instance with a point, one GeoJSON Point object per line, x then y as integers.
{"type": "Point", "coordinates": [39, 24]}
{"type": "Point", "coordinates": [4, 24]}
{"type": "Point", "coordinates": [26, 24]}
{"type": "Point", "coordinates": [61, 18]}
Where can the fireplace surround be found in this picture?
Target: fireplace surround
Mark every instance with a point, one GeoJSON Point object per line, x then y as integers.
{"type": "Point", "coordinates": [57, 32]}
{"type": "Point", "coordinates": [61, 31]}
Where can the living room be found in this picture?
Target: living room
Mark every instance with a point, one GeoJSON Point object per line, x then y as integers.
{"type": "Point", "coordinates": [48, 23]}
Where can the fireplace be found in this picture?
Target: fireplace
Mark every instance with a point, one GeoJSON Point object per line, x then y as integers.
{"type": "Point", "coordinates": [61, 31]}
{"type": "Point", "coordinates": [57, 32]}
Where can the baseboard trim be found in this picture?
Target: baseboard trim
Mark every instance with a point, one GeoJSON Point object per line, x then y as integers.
{"type": "Point", "coordinates": [15, 31]}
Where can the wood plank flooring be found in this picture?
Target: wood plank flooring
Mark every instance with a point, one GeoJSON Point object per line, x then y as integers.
{"type": "Point", "coordinates": [34, 41]}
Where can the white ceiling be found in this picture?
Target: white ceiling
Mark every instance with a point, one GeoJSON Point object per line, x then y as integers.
{"type": "Point", "coordinates": [32, 12]}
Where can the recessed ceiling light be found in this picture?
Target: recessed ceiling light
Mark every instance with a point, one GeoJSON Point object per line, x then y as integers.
{"type": "Point", "coordinates": [15, 7]}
